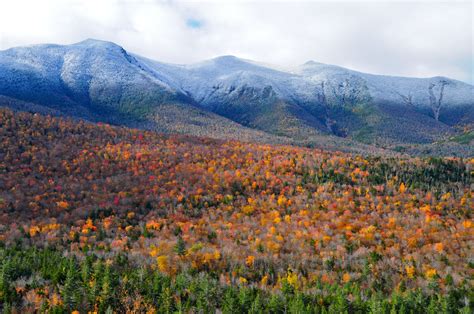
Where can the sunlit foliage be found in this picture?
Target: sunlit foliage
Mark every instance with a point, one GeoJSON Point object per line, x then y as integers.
{"type": "Point", "coordinates": [130, 215]}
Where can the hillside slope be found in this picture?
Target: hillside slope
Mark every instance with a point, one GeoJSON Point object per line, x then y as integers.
{"type": "Point", "coordinates": [100, 218]}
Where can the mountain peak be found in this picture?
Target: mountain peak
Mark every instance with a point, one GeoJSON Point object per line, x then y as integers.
{"type": "Point", "coordinates": [227, 59]}
{"type": "Point", "coordinates": [92, 42]}
{"type": "Point", "coordinates": [227, 62]}
{"type": "Point", "coordinates": [312, 62]}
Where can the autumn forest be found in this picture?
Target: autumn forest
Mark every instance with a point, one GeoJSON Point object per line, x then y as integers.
{"type": "Point", "coordinates": [98, 218]}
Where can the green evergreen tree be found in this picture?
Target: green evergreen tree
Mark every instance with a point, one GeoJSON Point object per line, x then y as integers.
{"type": "Point", "coordinates": [276, 304]}
{"type": "Point", "coordinates": [166, 300]}
{"type": "Point", "coordinates": [296, 304]}
{"type": "Point", "coordinates": [257, 305]}
{"type": "Point", "coordinates": [107, 289]}
{"type": "Point", "coordinates": [180, 247]}
{"type": "Point", "coordinates": [245, 299]}
{"type": "Point", "coordinates": [70, 290]}
{"type": "Point", "coordinates": [5, 285]}
{"type": "Point", "coordinates": [230, 303]}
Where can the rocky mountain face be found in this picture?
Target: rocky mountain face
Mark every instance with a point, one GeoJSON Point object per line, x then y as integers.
{"type": "Point", "coordinates": [313, 104]}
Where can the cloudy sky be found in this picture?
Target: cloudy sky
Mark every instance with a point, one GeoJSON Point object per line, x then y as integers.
{"type": "Point", "coordinates": [399, 37]}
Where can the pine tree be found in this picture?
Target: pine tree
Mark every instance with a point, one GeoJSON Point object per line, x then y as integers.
{"type": "Point", "coordinates": [257, 305]}
{"type": "Point", "coordinates": [85, 272]}
{"type": "Point", "coordinates": [96, 285]}
{"type": "Point", "coordinates": [106, 293]}
{"type": "Point", "coordinates": [230, 303]}
{"type": "Point", "coordinates": [276, 304]}
{"type": "Point", "coordinates": [180, 247]}
{"type": "Point", "coordinates": [7, 292]}
{"type": "Point", "coordinates": [7, 308]}
{"type": "Point", "coordinates": [296, 304]}
{"type": "Point", "coordinates": [166, 299]}
{"type": "Point", "coordinates": [70, 291]}
{"type": "Point", "coordinates": [5, 288]}
{"type": "Point", "coordinates": [245, 299]}
{"type": "Point", "coordinates": [433, 306]}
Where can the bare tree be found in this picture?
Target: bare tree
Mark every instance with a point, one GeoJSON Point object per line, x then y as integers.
{"type": "Point", "coordinates": [349, 92]}
{"type": "Point", "coordinates": [407, 99]}
{"type": "Point", "coordinates": [436, 103]}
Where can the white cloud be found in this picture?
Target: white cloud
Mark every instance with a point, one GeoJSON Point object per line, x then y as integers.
{"type": "Point", "coordinates": [421, 38]}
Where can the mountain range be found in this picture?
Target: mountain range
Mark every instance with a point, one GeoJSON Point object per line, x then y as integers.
{"type": "Point", "coordinates": [313, 104]}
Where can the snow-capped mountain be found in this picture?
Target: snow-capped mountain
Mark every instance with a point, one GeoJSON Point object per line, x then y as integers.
{"type": "Point", "coordinates": [100, 81]}
{"type": "Point", "coordinates": [392, 89]}
{"type": "Point", "coordinates": [90, 78]}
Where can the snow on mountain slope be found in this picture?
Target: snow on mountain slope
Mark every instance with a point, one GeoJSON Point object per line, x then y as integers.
{"type": "Point", "coordinates": [392, 88]}
{"type": "Point", "coordinates": [99, 80]}
{"type": "Point", "coordinates": [91, 75]}
{"type": "Point", "coordinates": [219, 77]}
{"type": "Point", "coordinates": [89, 61]}
{"type": "Point", "coordinates": [101, 63]}
{"type": "Point", "coordinates": [224, 75]}
{"type": "Point", "coordinates": [252, 94]}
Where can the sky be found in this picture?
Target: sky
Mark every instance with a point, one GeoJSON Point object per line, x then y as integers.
{"type": "Point", "coordinates": [394, 37]}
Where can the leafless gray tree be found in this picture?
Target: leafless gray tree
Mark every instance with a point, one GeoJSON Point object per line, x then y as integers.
{"type": "Point", "coordinates": [436, 103]}
{"type": "Point", "coordinates": [407, 99]}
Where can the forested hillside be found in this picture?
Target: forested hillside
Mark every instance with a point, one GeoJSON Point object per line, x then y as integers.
{"type": "Point", "coordinates": [96, 218]}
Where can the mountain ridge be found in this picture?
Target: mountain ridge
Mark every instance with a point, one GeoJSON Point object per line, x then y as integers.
{"type": "Point", "coordinates": [308, 105]}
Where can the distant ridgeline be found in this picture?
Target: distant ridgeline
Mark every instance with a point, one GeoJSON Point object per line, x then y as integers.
{"type": "Point", "coordinates": [314, 105]}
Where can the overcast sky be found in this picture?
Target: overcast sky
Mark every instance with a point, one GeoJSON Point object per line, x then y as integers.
{"type": "Point", "coordinates": [397, 37]}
